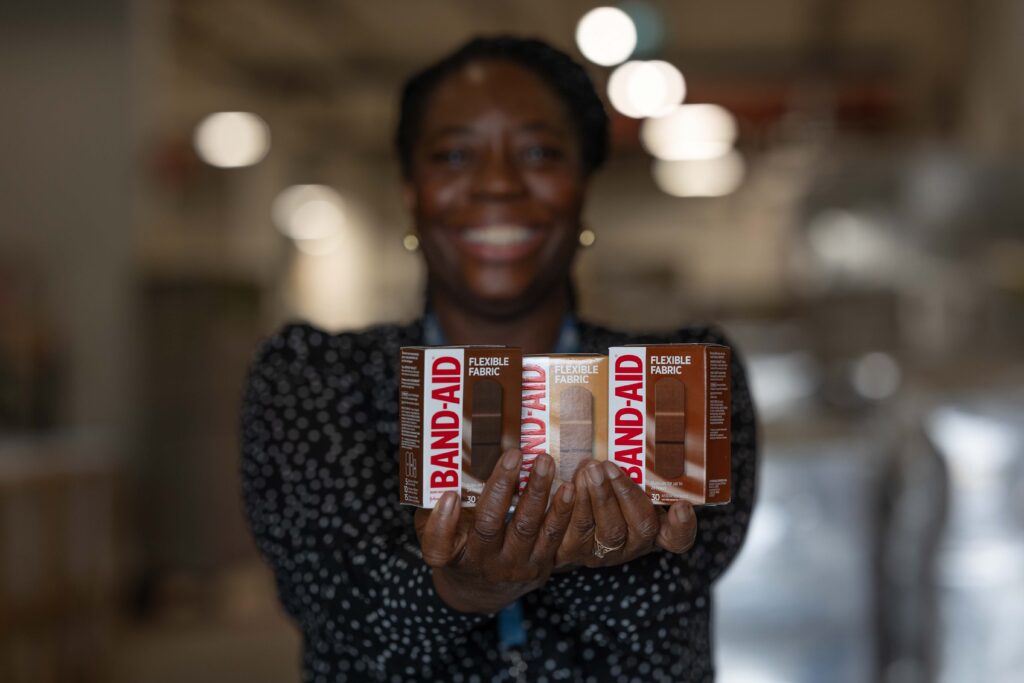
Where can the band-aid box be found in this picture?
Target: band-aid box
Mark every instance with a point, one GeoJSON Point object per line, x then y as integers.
{"type": "Point", "coordinates": [669, 414]}
{"type": "Point", "coordinates": [458, 412]}
{"type": "Point", "coordinates": [564, 411]}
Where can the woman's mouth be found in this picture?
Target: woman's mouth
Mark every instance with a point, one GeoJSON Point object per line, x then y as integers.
{"type": "Point", "coordinates": [500, 243]}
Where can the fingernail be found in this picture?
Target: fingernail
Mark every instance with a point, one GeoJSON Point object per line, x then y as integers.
{"type": "Point", "coordinates": [683, 513]}
{"type": "Point", "coordinates": [447, 504]}
{"type": "Point", "coordinates": [595, 473]}
{"type": "Point", "coordinates": [568, 491]}
{"type": "Point", "coordinates": [543, 465]}
{"type": "Point", "coordinates": [612, 470]}
{"type": "Point", "coordinates": [510, 461]}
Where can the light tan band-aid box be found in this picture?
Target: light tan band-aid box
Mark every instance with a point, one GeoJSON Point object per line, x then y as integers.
{"type": "Point", "coordinates": [564, 411]}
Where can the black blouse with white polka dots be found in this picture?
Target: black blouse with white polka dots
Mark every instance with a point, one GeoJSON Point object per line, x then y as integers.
{"type": "Point", "coordinates": [319, 480]}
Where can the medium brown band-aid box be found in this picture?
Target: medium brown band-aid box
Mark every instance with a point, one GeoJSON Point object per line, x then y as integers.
{"type": "Point", "coordinates": [669, 414]}
{"type": "Point", "coordinates": [458, 411]}
{"type": "Point", "coordinates": [564, 411]}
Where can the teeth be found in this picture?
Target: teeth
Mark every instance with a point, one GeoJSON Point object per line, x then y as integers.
{"type": "Point", "coordinates": [498, 235]}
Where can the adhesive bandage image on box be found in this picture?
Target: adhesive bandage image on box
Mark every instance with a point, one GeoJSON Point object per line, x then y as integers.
{"type": "Point", "coordinates": [576, 430]}
{"type": "Point", "coordinates": [564, 411]}
{"type": "Point", "coordinates": [485, 429]}
{"type": "Point", "coordinates": [668, 433]}
{"type": "Point", "coordinates": [458, 412]}
{"type": "Point", "coordinates": [669, 420]}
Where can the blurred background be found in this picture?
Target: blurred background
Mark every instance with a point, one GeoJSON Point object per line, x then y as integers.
{"type": "Point", "coordinates": [838, 183]}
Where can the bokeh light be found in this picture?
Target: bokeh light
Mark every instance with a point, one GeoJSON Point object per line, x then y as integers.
{"type": "Point", "coordinates": [640, 89]}
{"type": "Point", "coordinates": [690, 131]}
{"type": "Point", "coordinates": [318, 247]}
{"type": "Point", "coordinates": [232, 139]}
{"type": "Point", "coordinates": [700, 177]}
{"type": "Point", "coordinates": [606, 36]}
{"type": "Point", "coordinates": [309, 212]}
{"type": "Point", "coordinates": [847, 241]}
{"type": "Point", "coordinates": [876, 375]}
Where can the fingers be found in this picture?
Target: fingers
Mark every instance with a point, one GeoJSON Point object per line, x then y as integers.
{"type": "Point", "coordinates": [522, 531]}
{"type": "Point", "coordinates": [556, 522]}
{"type": "Point", "coordinates": [578, 539]}
{"type": "Point", "coordinates": [581, 524]}
{"type": "Point", "coordinates": [488, 529]}
{"type": "Point", "coordinates": [638, 512]}
{"type": "Point", "coordinates": [437, 540]}
{"type": "Point", "coordinates": [611, 529]}
{"type": "Point", "coordinates": [678, 528]}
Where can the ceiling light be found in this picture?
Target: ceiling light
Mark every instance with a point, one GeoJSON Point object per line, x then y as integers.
{"type": "Point", "coordinates": [640, 89]}
{"type": "Point", "coordinates": [308, 212]}
{"type": "Point", "coordinates": [700, 177]}
{"type": "Point", "coordinates": [232, 139]}
{"type": "Point", "coordinates": [606, 36]}
{"type": "Point", "coordinates": [690, 131]}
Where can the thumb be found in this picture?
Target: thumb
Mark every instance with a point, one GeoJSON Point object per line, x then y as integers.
{"type": "Point", "coordinates": [437, 541]}
{"type": "Point", "coordinates": [678, 529]}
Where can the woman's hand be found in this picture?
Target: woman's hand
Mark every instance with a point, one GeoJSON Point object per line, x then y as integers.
{"type": "Point", "coordinates": [613, 521]}
{"type": "Point", "coordinates": [482, 559]}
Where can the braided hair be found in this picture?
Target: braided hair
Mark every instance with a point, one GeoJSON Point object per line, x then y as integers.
{"type": "Point", "coordinates": [565, 76]}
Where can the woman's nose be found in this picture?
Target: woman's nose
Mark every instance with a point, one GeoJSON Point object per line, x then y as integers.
{"type": "Point", "coordinates": [499, 176]}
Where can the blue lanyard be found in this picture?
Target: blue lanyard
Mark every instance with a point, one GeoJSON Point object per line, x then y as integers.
{"type": "Point", "coordinates": [511, 627]}
{"type": "Point", "coordinates": [568, 336]}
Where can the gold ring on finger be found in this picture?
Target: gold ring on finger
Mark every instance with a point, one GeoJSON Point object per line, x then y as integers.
{"type": "Point", "coordinates": [600, 549]}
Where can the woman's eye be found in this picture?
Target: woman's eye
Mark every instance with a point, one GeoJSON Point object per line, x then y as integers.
{"type": "Point", "coordinates": [540, 154]}
{"type": "Point", "coordinates": [453, 157]}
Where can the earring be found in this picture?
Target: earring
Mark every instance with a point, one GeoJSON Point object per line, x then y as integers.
{"type": "Point", "coordinates": [587, 237]}
{"type": "Point", "coordinates": [411, 241]}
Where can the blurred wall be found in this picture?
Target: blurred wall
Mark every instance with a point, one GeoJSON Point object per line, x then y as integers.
{"type": "Point", "coordinates": [995, 90]}
{"type": "Point", "coordinates": [64, 191]}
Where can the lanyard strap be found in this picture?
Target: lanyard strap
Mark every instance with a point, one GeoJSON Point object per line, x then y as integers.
{"type": "Point", "coordinates": [568, 336]}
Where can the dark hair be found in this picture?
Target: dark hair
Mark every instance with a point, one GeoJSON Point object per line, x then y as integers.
{"type": "Point", "coordinates": [557, 69]}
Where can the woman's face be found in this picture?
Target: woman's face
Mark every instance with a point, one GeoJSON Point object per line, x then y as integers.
{"type": "Point", "coordinates": [496, 188]}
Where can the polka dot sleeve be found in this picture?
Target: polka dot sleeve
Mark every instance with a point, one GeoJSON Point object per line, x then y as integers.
{"type": "Point", "coordinates": [318, 486]}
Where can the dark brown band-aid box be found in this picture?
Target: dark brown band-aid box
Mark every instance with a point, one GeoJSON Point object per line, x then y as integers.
{"type": "Point", "coordinates": [564, 411]}
{"type": "Point", "coordinates": [458, 411]}
{"type": "Point", "coordinates": [669, 414]}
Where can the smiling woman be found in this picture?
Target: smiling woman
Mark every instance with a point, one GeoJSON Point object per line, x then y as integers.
{"type": "Point", "coordinates": [496, 188]}
{"type": "Point", "coordinates": [497, 144]}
